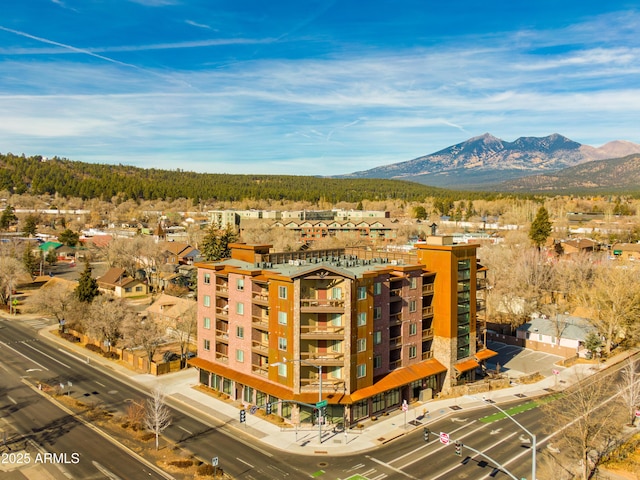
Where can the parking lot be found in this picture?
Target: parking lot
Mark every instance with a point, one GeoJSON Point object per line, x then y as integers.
{"type": "Point", "coordinates": [517, 361]}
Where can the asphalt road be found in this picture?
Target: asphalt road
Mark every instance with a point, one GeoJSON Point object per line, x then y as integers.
{"type": "Point", "coordinates": [25, 354]}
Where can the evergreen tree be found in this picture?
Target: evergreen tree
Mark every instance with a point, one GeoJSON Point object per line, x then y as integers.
{"type": "Point", "coordinates": [69, 238]}
{"type": "Point", "coordinates": [87, 288]}
{"type": "Point", "coordinates": [215, 244]}
{"type": "Point", "coordinates": [7, 218]}
{"type": "Point", "coordinates": [29, 260]}
{"type": "Point", "coordinates": [30, 225]}
{"type": "Point", "coordinates": [540, 228]}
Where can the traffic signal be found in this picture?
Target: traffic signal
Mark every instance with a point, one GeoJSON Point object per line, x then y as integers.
{"type": "Point", "coordinates": [243, 416]}
{"type": "Point", "coordinates": [459, 449]}
{"type": "Point", "coordinates": [426, 434]}
{"type": "Point", "coordinates": [268, 408]}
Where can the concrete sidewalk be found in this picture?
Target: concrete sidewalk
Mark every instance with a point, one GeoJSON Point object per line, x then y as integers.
{"type": "Point", "coordinates": [180, 387]}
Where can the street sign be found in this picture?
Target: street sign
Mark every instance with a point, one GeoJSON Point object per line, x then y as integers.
{"type": "Point", "coordinates": [322, 403]}
{"type": "Point", "coordinates": [253, 410]}
{"type": "Point", "coordinates": [214, 461]}
{"type": "Point", "coordinates": [405, 407]}
{"type": "Point", "coordinates": [637, 413]}
{"type": "Point", "coordinates": [555, 372]}
{"type": "Point", "coordinates": [444, 438]}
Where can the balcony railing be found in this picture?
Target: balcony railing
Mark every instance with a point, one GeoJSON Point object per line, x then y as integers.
{"type": "Point", "coordinates": [329, 382]}
{"type": "Point", "coordinates": [481, 304]}
{"type": "Point", "coordinates": [260, 347]}
{"type": "Point", "coordinates": [223, 312]}
{"type": "Point", "coordinates": [258, 370]}
{"type": "Point", "coordinates": [481, 283]}
{"type": "Point", "coordinates": [322, 358]}
{"type": "Point", "coordinates": [222, 335]}
{"type": "Point", "coordinates": [396, 292]}
{"type": "Point", "coordinates": [321, 330]}
{"type": "Point", "coordinates": [313, 303]}
{"type": "Point", "coordinates": [427, 288]}
{"type": "Point", "coordinates": [395, 318]}
{"type": "Point", "coordinates": [260, 297]}
{"type": "Point", "coordinates": [222, 290]}
{"type": "Point", "coordinates": [427, 334]}
{"type": "Point", "coordinates": [220, 357]}
{"type": "Point", "coordinates": [395, 364]}
{"type": "Point", "coordinates": [427, 311]}
{"type": "Point", "coordinates": [260, 322]}
{"type": "Point", "coordinates": [427, 355]}
{"type": "Point", "coordinates": [395, 342]}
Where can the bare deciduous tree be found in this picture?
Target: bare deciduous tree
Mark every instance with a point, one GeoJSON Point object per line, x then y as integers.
{"type": "Point", "coordinates": [56, 299]}
{"type": "Point", "coordinates": [105, 319]}
{"type": "Point", "coordinates": [145, 333]}
{"type": "Point", "coordinates": [593, 422]}
{"type": "Point", "coordinates": [184, 329]}
{"type": "Point", "coordinates": [630, 387]}
{"type": "Point", "coordinates": [12, 271]}
{"type": "Point", "coordinates": [157, 415]}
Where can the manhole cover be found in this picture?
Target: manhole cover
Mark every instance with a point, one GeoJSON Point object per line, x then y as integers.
{"type": "Point", "coordinates": [323, 464]}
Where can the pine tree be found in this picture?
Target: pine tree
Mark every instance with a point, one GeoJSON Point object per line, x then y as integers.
{"type": "Point", "coordinates": [215, 244]}
{"type": "Point", "coordinates": [541, 228]}
{"type": "Point", "coordinates": [87, 288]}
{"type": "Point", "coordinates": [29, 260]}
{"type": "Point", "coordinates": [7, 218]}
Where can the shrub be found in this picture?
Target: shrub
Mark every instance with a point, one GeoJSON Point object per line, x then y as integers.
{"type": "Point", "coordinates": [181, 463]}
{"type": "Point", "coordinates": [112, 355]}
{"type": "Point", "coordinates": [206, 469]}
{"type": "Point", "coordinates": [69, 337]}
{"type": "Point", "coordinates": [93, 348]}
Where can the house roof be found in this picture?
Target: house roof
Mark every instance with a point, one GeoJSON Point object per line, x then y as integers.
{"type": "Point", "coordinates": [46, 246]}
{"type": "Point", "coordinates": [581, 243]}
{"type": "Point", "coordinates": [177, 248]}
{"type": "Point", "coordinates": [170, 306]}
{"type": "Point", "coordinates": [571, 327]}
{"type": "Point", "coordinates": [111, 276]}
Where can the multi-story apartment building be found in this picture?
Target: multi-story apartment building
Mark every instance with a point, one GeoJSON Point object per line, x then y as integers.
{"type": "Point", "coordinates": [367, 331]}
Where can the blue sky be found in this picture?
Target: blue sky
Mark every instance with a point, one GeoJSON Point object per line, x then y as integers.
{"type": "Point", "coordinates": [309, 87]}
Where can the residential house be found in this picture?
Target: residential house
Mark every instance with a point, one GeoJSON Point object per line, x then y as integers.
{"type": "Point", "coordinates": [116, 282]}
{"type": "Point", "coordinates": [626, 251]}
{"type": "Point", "coordinates": [562, 334]}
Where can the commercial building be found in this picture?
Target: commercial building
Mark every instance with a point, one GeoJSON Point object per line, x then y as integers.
{"type": "Point", "coordinates": [362, 330]}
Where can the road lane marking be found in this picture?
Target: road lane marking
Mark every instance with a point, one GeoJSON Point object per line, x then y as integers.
{"type": "Point", "coordinates": [246, 463]}
{"type": "Point", "coordinates": [103, 386]}
{"type": "Point", "coordinates": [46, 355]}
{"type": "Point", "coordinates": [23, 355]}
{"type": "Point", "coordinates": [182, 428]}
{"type": "Point", "coordinates": [12, 400]}
{"type": "Point", "coordinates": [391, 467]}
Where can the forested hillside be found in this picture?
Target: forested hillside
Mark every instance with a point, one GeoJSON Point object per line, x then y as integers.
{"type": "Point", "coordinates": [33, 175]}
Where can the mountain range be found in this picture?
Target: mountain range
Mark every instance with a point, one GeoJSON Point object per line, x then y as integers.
{"type": "Point", "coordinates": [489, 162]}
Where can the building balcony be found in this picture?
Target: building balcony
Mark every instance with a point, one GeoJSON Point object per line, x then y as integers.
{"type": "Point", "coordinates": [395, 318]}
{"type": "Point", "coordinates": [427, 312]}
{"type": "Point", "coordinates": [395, 342]}
{"type": "Point", "coordinates": [222, 335]}
{"type": "Point", "coordinates": [395, 294]}
{"type": "Point", "coordinates": [427, 289]}
{"type": "Point", "coordinates": [322, 332]}
{"type": "Point", "coordinates": [427, 355]}
{"type": "Point", "coordinates": [260, 322]}
{"type": "Point", "coordinates": [222, 312]}
{"type": "Point", "coordinates": [258, 370]}
{"type": "Point", "coordinates": [261, 298]}
{"type": "Point", "coordinates": [427, 334]}
{"type": "Point", "coordinates": [259, 347]}
{"type": "Point", "coordinates": [222, 290]}
{"type": "Point", "coordinates": [481, 283]}
{"type": "Point", "coordinates": [395, 364]}
{"type": "Point", "coordinates": [481, 304]}
{"type": "Point", "coordinates": [222, 358]}
{"type": "Point", "coordinates": [320, 305]}
{"type": "Point", "coordinates": [322, 358]}
{"type": "Point", "coordinates": [327, 383]}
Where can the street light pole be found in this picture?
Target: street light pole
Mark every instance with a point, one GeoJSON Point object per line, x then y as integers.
{"type": "Point", "coordinates": [532, 435]}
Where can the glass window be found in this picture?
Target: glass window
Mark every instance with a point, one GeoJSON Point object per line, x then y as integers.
{"type": "Point", "coordinates": [377, 313]}
{"type": "Point", "coordinates": [282, 343]}
{"type": "Point", "coordinates": [336, 319]}
{"type": "Point", "coordinates": [362, 319]}
{"type": "Point", "coordinates": [377, 361]}
{"type": "Point", "coordinates": [377, 288]}
{"type": "Point", "coordinates": [206, 301]}
{"type": "Point", "coordinates": [240, 284]}
{"type": "Point", "coordinates": [362, 293]}
{"type": "Point", "coordinates": [361, 370]}
{"type": "Point", "coordinates": [377, 337]}
{"type": "Point", "coordinates": [362, 344]}
{"type": "Point", "coordinates": [240, 355]}
{"type": "Point", "coordinates": [239, 331]}
{"type": "Point", "coordinates": [206, 344]}
{"type": "Point", "coordinates": [282, 292]}
{"type": "Point", "coordinates": [413, 351]}
{"type": "Point", "coordinates": [240, 308]}
{"type": "Point", "coordinates": [413, 328]}
{"type": "Point", "coordinates": [282, 318]}
{"type": "Point", "coordinates": [413, 282]}
{"type": "Point", "coordinates": [336, 293]}
{"type": "Point", "coordinates": [282, 369]}
{"type": "Point", "coordinates": [247, 394]}
{"type": "Point", "coordinates": [412, 305]}
{"type": "Point", "coordinates": [207, 278]}
{"type": "Point", "coordinates": [206, 323]}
